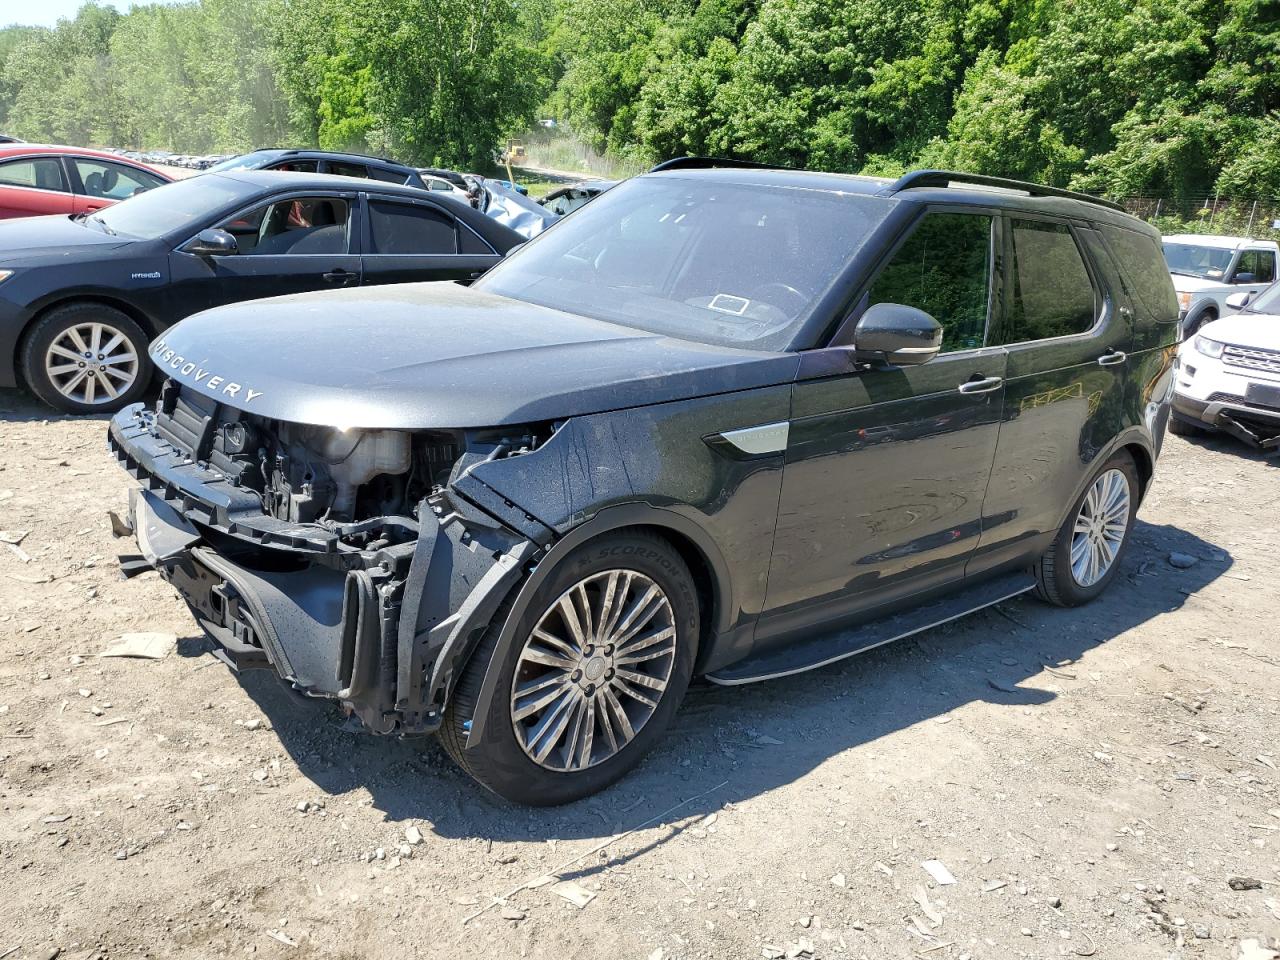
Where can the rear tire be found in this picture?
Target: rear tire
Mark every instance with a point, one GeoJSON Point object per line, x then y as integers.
{"type": "Point", "coordinates": [86, 358]}
{"type": "Point", "coordinates": [1065, 575]}
{"type": "Point", "coordinates": [573, 763]}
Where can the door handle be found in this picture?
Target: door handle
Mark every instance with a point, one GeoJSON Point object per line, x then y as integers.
{"type": "Point", "coordinates": [982, 385]}
{"type": "Point", "coordinates": [339, 275]}
{"type": "Point", "coordinates": [1112, 358]}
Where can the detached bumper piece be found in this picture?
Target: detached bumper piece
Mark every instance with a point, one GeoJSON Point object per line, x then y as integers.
{"type": "Point", "coordinates": [378, 615]}
{"type": "Point", "coordinates": [1245, 418]}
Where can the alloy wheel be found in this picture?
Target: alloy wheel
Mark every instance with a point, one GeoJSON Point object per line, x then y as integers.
{"type": "Point", "coordinates": [91, 363]}
{"type": "Point", "coordinates": [1100, 528]}
{"type": "Point", "coordinates": [593, 670]}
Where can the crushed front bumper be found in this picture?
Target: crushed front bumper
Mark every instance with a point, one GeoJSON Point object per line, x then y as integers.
{"type": "Point", "coordinates": [382, 628]}
{"type": "Point", "coordinates": [1253, 423]}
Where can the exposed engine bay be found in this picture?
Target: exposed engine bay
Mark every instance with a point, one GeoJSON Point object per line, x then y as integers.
{"type": "Point", "coordinates": [375, 550]}
{"type": "Point", "coordinates": [328, 475]}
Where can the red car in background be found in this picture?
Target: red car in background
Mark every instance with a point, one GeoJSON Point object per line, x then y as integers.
{"type": "Point", "coordinates": [36, 179]}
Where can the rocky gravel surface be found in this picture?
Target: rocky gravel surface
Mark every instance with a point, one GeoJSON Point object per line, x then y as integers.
{"type": "Point", "coordinates": [1028, 782]}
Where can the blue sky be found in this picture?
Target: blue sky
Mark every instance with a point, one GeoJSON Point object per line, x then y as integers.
{"type": "Point", "coordinates": [46, 13]}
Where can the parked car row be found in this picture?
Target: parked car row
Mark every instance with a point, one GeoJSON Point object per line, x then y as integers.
{"type": "Point", "coordinates": [192, 162]}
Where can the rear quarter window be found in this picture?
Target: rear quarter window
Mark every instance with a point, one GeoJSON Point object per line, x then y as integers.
{"type": "Point", "coordinates": [1145, 272]}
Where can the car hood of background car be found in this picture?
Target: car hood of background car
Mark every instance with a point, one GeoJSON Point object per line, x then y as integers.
{"type": "Point", "coordinates": [438, 355]}
{"type": "Point", "coordinates": [1185, 283]}
{"type": "Point", "coordinates": [1260, 331]}
{"type": "Point", "coordinates": [56, 239]}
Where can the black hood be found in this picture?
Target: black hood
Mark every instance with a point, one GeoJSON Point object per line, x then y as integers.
{"type": "Point", "coordinates": [51, 238]}
{"type": "Point", "coordinates": [438, 355]}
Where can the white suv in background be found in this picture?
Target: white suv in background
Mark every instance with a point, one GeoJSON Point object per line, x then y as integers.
{"type": "Point", "coordinates": [1228, 373]}
{"type": "Point", "coordinates": [1207, 269]}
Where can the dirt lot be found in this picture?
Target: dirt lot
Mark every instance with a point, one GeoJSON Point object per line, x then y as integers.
{"type": "Point", "coordinates": [1092, 778]}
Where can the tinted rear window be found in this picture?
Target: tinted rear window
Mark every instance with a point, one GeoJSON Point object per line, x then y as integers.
{"type": "Point", "coordinates": [1143, 265]}
{"type": "Point", "coordinates": [406, 228]}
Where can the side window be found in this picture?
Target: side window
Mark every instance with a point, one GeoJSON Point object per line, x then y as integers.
{"type": "Point", "coordinates": [408, 228]}
{"type": "Point", "coordinates": [471, 242]}
{"type": "Point", "coordinates": [1052, 295]}
{"type": "Point", "coordinates": [297, 166]}
{"type": "Point", "coordinates": [300, 226]}
{"type": "Point", "coordinates": [944, 269]}
{"type": "Point", "coordinates": [348, 169]}
{"type": "Point", "coordinates": [387, 176]}
{"type": "Point", "coordinates": [43, 173]}
{"type": "Point", "coordinates": [1142, 262]}
{"type": "Point", "coordinates": [1255, 266]}
{"type": "Point", "coordinates": [113, 181]}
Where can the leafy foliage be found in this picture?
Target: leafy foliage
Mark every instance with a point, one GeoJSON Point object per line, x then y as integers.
{"type": "Point", "coordinates": [1176, 98]}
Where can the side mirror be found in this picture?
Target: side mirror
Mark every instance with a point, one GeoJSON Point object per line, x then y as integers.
{"type": "Point", "coordinates": [896, 334]}
{"type": "Point", "coordinates": [1244, 278]}
{"type": "Point", "coordinates": [212, 243]}
{"type": "Point", "coordinates": [1238, 301]}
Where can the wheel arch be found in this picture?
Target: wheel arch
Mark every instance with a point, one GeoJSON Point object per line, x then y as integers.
{"type": "Point", "coordinates": [1138, 445]}
{"type": "Point", "coordinates": [696, 547]}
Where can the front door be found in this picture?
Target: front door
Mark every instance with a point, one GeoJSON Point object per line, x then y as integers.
{"type": "Point", "coordinates": [1067, 339]}
{"type": "Point", "coordinates": [99, 183]}
{"type": "Point", "coordinates": [409, 241]}
{"type": "Point", "coordinates": [1255, 270]}
{"type": "Point", "coordinates": [285, 246]}
{"type": "Point", "coordinates": [886, 469]}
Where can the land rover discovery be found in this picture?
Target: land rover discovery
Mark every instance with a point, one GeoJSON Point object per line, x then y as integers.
{"type": "Point", "coordinates": [725, 421]}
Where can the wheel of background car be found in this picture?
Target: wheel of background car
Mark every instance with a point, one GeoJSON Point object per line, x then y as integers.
{"type": "Point", "coordinates": [1182, 428]}
{"type": "Point", "coordinates": [86, 358]}
{"type": "Point", "coordinates": [762, 293]}
{"type": "Point", "coordinates": [1206, 316]}
{"type": "Point", "coordinates": [1086, 553]}
{"type": "Point", "coordinates": [601, 659]}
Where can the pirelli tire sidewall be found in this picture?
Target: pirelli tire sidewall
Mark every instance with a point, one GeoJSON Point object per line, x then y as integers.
{"type": "Point", "coordinates": [498, 761]}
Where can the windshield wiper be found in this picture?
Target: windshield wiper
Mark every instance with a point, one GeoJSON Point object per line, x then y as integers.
{"type": "Point", "coordinates": [103, 224]}
{"type": "Point", "coordinates": [1186, 273]}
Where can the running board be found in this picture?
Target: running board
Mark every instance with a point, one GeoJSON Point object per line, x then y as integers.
{"type": "Point", "coordinates": [809, 654]}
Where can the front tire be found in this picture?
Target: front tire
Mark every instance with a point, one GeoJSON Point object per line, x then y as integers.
{"type": "Point", "coordinates": [86, 358]}
{"type": "Point", "coordinates": [601, 660]}
{"type": "Point", "coordinates": [1085, 555]}
{"type": "Point", "coordinates": [1184, 428]}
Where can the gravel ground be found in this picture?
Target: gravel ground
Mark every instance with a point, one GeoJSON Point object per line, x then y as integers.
{"type": "Point", "coordinates": [1093, 779]}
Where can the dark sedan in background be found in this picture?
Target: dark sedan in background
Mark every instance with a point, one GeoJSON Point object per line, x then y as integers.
{"type": "Point", "coordinates": [81, 297]}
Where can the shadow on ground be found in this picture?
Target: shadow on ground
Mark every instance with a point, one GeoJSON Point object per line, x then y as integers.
{"type": "Point", "coordinates": [730, 744]}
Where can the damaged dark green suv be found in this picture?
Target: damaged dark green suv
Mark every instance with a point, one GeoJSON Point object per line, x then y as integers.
{"type": "Point", "coordinates": [725, 421]}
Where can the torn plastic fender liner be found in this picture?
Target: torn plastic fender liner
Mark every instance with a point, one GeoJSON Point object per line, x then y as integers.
{"type": "Point", "coordinates": [464, 565]}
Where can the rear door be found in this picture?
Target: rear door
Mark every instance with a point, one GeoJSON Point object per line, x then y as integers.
{"type": "Point", "coordinates": [34, 187]}
{"type": "Point", "coordinates": [292, 244]}
{"type": "Point", "coordinates": [1067, 332]}
{"type": "Point", "coordinates": [408, 240]}
{"type": "Point", "coordinates": [886, 468]}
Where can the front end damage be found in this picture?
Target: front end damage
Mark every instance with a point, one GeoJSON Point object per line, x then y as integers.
{"type": "Point", "coordinates": [361, 566]}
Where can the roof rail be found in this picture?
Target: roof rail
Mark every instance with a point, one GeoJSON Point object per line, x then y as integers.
{"type": "Point", "coordinates": [943, 178]}
{"type": "Point", "coordinates": [709, 163]}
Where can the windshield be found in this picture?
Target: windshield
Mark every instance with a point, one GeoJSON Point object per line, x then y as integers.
{"type": "Point", "coordinates": [731, 264]}
{"type": "Point", "coordinates": [1197, 261]}
{"type": "Point", "coordinates": [172, 207]}
{"type": "Point", "coordinates": [246, 161]}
